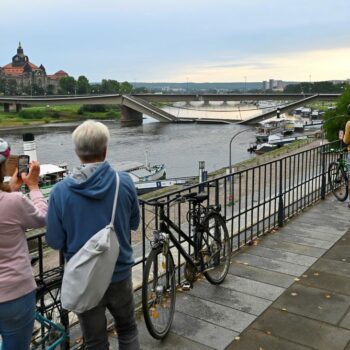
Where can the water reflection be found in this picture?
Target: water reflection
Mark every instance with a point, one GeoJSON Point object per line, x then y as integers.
{"type": "Point", "coordinates": [179, 146]}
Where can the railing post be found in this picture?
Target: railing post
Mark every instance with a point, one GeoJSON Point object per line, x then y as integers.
{"type": "Point", "coordinates": [217, 194]}
{"type": "Point", "coordinates": [280, 197]}
{"type": "Point", "coordinates": [323, 178]}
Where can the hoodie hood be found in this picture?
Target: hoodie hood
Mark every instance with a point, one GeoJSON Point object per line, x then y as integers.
{"type": "Point", "coordinates": [92, 180]}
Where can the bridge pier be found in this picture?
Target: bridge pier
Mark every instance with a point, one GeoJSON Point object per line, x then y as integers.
{"type": "Point", "coordinates": [206, 103]}
{"type": "Point", "coordinates": [6, 107]}
{"type": "Point", "coordinates": [18, 107]}
{"type": "Point", "coordinates": [130, 116]}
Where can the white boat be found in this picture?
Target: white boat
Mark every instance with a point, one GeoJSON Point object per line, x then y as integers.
{"type": "Point", "coordinates": [264, 147]}
{"type": "Point", "coordinates": [279, 140]}
{"type": "Point", "coordinates": [274, 126]}
{"type": "Point", "coordinates": [148, 186]}
{"type": "Point", "coordinates": [140, 172]}
{"type": "Point", "coordinates": [299, 124]}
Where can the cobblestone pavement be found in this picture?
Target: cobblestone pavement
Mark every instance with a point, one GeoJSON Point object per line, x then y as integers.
{"type": "Point", "coordinates": [289, 291]}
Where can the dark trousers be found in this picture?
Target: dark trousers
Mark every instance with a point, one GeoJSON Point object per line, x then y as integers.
{"type": "Point", "coordinates": [119, 300]}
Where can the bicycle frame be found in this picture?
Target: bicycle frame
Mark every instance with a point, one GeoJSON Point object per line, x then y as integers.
{"type": "Point", "coordinates": [48, 324]}
{"type": "Point", "coordinates": [164, 224]}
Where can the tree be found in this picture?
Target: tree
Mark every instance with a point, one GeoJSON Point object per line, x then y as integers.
{"type": "Point", "coordinates": [317, 87]}
{"type": "Point", "coordinates": [11, 87]}
{"type": "Point", "coordinates": [109, 86]}
{"type": "Point", "coordinates": [37, 90]}
{"type": "Point", "coordinates": [125, 88]}
{"type": "Point", "coordinates": [83, 85]}
{"type": "Point", "coordinates": [140, 90]}
{"type": "Point", "coordinates": [335, 120]}
{"type": "Point", "coordinates": [2, 86]}
{"type": "Point", "coordinates": [67, 85]}
{"type": "Point", "coordinates": [50, 89]}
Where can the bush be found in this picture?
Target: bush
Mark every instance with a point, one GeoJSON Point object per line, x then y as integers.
{"type": "Point", "coordinates": [56, 115]}
{"type": "Point", "coordinates": [113, 114]}
{"type": "Point", "coordinates": [92, 108]}
{"type": "Point", "coordinates": [28, 114]}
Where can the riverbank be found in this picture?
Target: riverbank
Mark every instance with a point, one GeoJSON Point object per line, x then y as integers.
{"type": "Point", "coordinates": [36, 116]}
{"type": "Point", "coordinates": [289, 149]}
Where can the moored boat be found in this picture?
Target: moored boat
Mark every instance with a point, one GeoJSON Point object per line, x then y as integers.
{"type": "Point", "coordinates": [140, 172]}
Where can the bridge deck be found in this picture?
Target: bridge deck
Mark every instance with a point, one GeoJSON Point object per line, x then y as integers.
{"type": "Point", "coordinates": [289, 291]}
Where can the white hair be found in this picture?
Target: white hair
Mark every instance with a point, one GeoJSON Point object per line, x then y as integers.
{"type": "Point", "coordinates": [90, 139]}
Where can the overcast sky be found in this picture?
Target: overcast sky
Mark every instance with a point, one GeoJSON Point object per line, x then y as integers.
{"type": "Point", "coordinates": [181, 40]}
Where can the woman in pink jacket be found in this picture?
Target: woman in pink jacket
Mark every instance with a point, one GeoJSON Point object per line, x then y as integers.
{"type": "Point", "coordinates": [17, 284]}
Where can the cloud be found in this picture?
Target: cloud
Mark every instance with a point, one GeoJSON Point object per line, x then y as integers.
{"type": "Point", "coordinates": [299, 66]}
{"type": "Point", "coordinates": [162, 40]}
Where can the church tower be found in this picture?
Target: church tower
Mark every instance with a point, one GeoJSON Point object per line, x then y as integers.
{"type": "Point", "coordinates": [20, 59]}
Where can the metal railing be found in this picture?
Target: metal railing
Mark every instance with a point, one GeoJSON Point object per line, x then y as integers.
{"type": "Point", "coordinates": [253, 201]}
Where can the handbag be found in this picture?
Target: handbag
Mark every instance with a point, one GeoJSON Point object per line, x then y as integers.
{"type": "Point", "coordinates": [88, 273]}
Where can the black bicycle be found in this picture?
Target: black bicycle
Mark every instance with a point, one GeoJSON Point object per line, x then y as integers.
{"type": "Point", "coordinates": [210, 255]}
{"type": "Point", "coordinates": [338, 176]}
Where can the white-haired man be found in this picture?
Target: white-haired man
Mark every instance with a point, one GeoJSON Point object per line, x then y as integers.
{"type": "Point", "coordinates": [81, 205]}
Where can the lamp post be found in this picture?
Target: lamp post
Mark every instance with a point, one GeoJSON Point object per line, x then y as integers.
{"type": "Point", "coordinates": [230, 165]}
{"type": "Point", "coordinates": [230, 149]}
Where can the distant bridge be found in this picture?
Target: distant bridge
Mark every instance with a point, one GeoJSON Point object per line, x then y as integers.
{"type": "Point", "coordinates": [133, 106]}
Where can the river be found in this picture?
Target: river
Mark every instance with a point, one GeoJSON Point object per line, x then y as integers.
{"type": "Point", "coordinates": [179, 146]}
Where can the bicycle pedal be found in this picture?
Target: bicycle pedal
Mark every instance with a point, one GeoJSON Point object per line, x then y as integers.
{"type": "Point", "coordinates": [186, 286]}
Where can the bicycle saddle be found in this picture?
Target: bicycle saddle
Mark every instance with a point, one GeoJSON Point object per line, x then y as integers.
{"type": "Point", "coordinates": [196, 197]}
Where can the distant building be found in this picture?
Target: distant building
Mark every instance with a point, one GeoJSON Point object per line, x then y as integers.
{"type": "Point", "coordinates": [272, 84]}
{"type": "Point", "coordinates": [27, 74]}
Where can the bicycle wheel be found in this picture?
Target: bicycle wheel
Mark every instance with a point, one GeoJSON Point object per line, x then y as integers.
{"type": "Point", "coordinates": [215, 248]}
{"type": "Point", "coordinates": [338, 181]}
{"type": "Point", "coordinates": [158, 292]}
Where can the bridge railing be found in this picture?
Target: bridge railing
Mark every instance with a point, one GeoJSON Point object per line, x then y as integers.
{"type": "Point", "coordinates": [253, 200]}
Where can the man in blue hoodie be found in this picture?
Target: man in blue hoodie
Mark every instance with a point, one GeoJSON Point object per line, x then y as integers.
{"type": "Point", "coordinates": [80, 206]}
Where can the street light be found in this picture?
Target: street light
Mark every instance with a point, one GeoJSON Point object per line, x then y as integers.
{"type": "Point", "coordinates": [232, 138]}
{"type": "Point", "coordinates": [230, 165]}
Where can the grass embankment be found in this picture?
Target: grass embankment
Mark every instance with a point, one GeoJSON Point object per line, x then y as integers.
{"type": "Point", "coordinates": [56, 114]}
{"type": "Point", "coordinates": [258, 159]}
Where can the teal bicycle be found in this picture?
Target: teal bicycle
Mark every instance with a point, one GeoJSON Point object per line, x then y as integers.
{"type": "Point", "coordinates": [338, 175]}
{"type": "Point", "coordinates": [49, 333]}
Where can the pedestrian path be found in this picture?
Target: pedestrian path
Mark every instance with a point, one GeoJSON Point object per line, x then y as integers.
{"type": "Point", "coordinates": [289, 290]}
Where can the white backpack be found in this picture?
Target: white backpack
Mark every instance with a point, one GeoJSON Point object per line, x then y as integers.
{"type": "Point", "coordinates": [88, 273]}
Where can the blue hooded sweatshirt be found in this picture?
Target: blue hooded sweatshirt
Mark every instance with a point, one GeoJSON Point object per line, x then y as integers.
{"type": "Point", "coordinates": [79, 209]}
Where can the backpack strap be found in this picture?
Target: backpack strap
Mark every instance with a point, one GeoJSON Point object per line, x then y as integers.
{"type": "Point", "coordinates": [115, 198]}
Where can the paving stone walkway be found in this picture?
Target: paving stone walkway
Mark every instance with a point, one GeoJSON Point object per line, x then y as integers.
{"type": "Point", "coordinates": [289, 291]}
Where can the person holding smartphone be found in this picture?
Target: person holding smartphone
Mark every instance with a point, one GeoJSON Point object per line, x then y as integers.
{"type": "Point", "coordinates": [17, 284]}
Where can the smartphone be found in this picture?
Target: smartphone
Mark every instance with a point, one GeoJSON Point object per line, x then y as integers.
{"type": "Point", "coordinates": [23, 164]}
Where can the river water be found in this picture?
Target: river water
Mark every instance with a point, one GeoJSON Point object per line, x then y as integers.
{"type": "Point", "coordinates": [179, 146]}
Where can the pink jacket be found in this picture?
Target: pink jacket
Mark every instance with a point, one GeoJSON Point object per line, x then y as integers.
{"type": "Point", "coordinates": [18, 213]}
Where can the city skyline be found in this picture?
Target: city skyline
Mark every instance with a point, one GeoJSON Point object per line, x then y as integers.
{"type": "Point", "coordinates": [195, 41]}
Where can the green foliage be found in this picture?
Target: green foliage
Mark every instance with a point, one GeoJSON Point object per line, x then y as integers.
{"type": "Point", "coordinates": [50, 89]}
{"type": "Point", "coordinates": [112, 114]}
{"type": "Point", "coordinates": [92, 108]}
{"type": "Point", "coordinates": [109, 86]}
{"type": "Point", "coordinates": [67, 85]}
{"type": "Point", "coordinates": [83, 85]}
{"type": "Point", "coordinates": [141, 90]}
{"type": "Point", "coordinates": [125, 88]}
{"type": "Point", "coordinates": [316, 87]}
{"type": "Point", "coordinates": [30, 114]}
{"type": "Point", "coordinates": [336, 120]}
{"type": "Point", "coordinates": [56, 115]}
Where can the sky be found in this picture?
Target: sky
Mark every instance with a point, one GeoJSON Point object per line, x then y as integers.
{"type": "Point", "coordinates": [181, 40]}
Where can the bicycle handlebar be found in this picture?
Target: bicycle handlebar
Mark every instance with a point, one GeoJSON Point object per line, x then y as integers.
{"type": "Point", "coordinates": [179, 198]}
